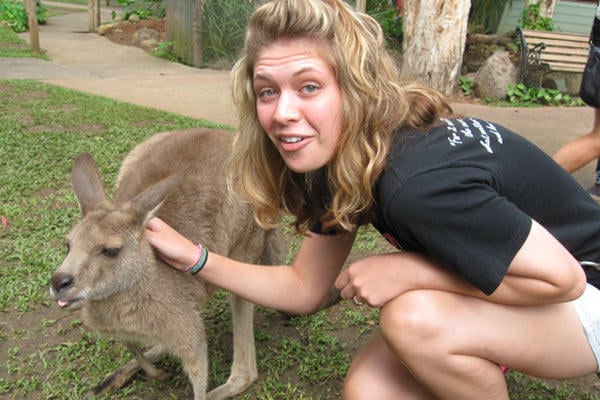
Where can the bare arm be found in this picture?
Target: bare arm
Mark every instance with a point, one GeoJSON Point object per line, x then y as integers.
{"type": "Point", "coordinates": [542, 272]}
{"type": "Point", "coordinates": [298, 288]}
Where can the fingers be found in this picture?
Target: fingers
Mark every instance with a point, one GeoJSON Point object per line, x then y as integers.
{"type": "Point", "coordinates": [154, 224]}
{"type": "Point", "coordinates": [342, 280]}
{"type": "Point", "coordinates": [344, 285]}
{"type": "Point", "coordinates": [347, 290]}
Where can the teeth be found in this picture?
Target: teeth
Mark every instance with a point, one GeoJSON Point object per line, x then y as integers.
{"type": "Point", "coordinates": [291, 139]}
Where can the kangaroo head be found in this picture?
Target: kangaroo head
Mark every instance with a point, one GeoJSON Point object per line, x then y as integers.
{"type": "Point", "coordinates": [107, 251]}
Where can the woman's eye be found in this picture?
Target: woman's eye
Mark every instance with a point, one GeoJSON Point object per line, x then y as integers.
{"type": "Point", "coordinates": [310, 89]}
{"type": "Point", "coordinates": [111, 252]}
{"type": "Point", "coordinates": [266, 93]}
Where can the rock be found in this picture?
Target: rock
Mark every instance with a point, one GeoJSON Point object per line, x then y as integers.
{"type": "Point", "coordinates": [150, 44]}
{"type": "Point", "coordinates": [143, 36]}
{"type": "Point", "coordinates": [494, 76]}
{"type": "Point", "coordinates": [102, 29]}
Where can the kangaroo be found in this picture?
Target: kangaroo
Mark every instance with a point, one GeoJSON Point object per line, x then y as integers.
{"type": "Point", "coordinates": [122, 289]}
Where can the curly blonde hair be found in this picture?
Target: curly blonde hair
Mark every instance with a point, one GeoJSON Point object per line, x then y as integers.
{"type": "Point", "coordinates": [374, 105]}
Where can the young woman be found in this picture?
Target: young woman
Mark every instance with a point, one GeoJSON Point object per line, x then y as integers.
{"type": "Point", "coordinates": [491, 229]}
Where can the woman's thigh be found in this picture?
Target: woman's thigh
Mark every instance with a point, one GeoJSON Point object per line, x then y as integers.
{"type": "Point", "coordinates": [547, 341]}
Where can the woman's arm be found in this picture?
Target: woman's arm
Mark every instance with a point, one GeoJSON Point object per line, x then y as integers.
{"type": "Point", "coordinates": [299, 288]}
{"type": "Point", "coordinates": [541, 272]}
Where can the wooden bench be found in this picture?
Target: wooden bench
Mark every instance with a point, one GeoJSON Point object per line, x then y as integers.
{"type": "Point", "coordinates": [543, 52]}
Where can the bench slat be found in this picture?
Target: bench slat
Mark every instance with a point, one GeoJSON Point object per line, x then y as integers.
{"type": "Point", "coordinates": [555, 35]}
{"type": "Point", "coordinates": [558, 67]}
{"type": "Point", "coordinates": [564, 60]}
{"type": "Point", "coordinates": [576, 56]}
{"type": "Point", "coordinates": [560, 43]}
{"type": "Point", "coordinates": [562, 52]}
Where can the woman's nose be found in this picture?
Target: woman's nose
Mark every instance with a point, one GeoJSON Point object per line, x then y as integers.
{"type": "Point", "coordinates": [287, 108]}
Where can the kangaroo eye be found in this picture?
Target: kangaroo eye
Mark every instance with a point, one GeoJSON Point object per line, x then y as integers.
{"type": "Point", "coordinates": [67, 247]}
{"type": "Point", "coordinates": [111, 252]}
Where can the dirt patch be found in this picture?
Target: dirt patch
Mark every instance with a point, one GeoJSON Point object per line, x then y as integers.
{"type": "Point", "coordinates": [123, 32]}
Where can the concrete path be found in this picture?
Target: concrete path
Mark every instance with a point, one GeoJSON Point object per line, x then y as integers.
{"type": "Point", "coordinates": [91, 63]}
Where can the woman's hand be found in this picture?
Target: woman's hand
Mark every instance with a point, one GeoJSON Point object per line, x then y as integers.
{"type": "Point", "coordinates": [381, 278]}
{"type": "Point", "coordinates": [542, 272]}
{"type": "Point", "coordinates": [376, 279]}
{"type": "Point", "coordinates": [170, 246]}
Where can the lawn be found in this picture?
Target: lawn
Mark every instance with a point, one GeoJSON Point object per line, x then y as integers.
{"type": "Point", "coordinates": [45, 353]}
{"type": "Point", "coordinates": [48, 354]}
{"type": "Point", "coordinates": [11, 45]}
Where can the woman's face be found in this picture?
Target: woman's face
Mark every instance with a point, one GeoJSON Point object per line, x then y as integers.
{"type": "Point", "coordinates": [299, 102]}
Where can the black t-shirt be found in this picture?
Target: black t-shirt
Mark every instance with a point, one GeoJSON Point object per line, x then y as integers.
{"type": "Point", "coordinates": [465, 192]}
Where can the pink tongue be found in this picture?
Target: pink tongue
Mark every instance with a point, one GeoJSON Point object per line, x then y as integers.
{"type": "Point", "coordinates": [62, 303]}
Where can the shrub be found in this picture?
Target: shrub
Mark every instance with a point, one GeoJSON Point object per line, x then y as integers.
{"type": "Point", "coordinates": [13, 13]}
{"type": "Point", "coordinates": [531, 19]}
{"type": "Point", "coordinates": [143, 9]}
{"type": "Point", "coordinates": [521, 94]}
{"type": "Point", "coordinates": [224, 29]}
{"type": "Point", "coordinates": [391, 23]}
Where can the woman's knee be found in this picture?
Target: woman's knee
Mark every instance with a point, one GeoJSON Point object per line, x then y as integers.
{"type": "Point", "coordinates": [413, 320]}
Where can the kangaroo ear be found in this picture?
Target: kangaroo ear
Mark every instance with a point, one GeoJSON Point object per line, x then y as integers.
{"type": "Point", "coordinates": [87, 184]}
{"type": "Point", "coordinates": [145, 205]}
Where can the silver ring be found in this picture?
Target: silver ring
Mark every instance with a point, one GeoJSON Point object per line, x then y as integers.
{"type": "Point", "coordinates": [357, 301]}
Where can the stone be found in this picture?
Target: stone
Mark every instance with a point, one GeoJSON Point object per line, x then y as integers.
{"type": "Point", "coordinates": [102, 29]}
{"type": "Point", "coordinates": [495, 75]}
{"type": "Point", "coordinates": [150, 44]}
{"type": "Point", "coordinates": [143, 35]}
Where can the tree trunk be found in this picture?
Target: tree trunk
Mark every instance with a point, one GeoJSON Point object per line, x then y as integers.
{"type": "Point", "coordinates": [435, 32]}
{"type": "Point", "coordinates": [93, 15]}
{"type": "Point", "coordinates": [32, 22]}
{"type": "Point", "coordinates": [184, 29]}
{"type": "Point", "coordinates": [361, 5]}
{"type": "Point", "coordinates": [198, 16]}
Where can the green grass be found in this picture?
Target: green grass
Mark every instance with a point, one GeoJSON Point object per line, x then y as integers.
{"type": "Point", "coordinates": [11, 45]}
{"type": "Point", "coordinates": [45, 354]}
{"type": "Point", "coordinates": [40, 136]}
{"type": "Point", "coordinates": [85, 2]}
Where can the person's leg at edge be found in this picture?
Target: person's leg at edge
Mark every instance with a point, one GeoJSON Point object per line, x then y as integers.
{"type": "Point", "coordinates": [452, 345]}
{"type": "Point", "coordinates": [376, 373]}
{"type": "Point", "coordinates": [577, 153]}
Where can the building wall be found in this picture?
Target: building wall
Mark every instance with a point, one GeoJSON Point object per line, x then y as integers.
{"type": "Point", "coordinates": [569, 16]}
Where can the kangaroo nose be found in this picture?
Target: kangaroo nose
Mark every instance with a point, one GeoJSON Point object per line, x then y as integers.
{"type": "Point", "coordinates": [62, 281]}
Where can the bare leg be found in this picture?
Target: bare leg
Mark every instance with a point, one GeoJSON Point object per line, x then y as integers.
{"type": "Point", "coordinates": [452, 344]}
{"type": "Point", "coordinates": [376, 373]}
{"type": "Point", "coordinates": [577, 153]}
